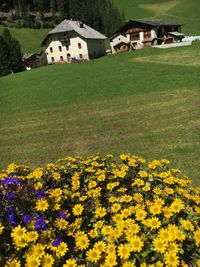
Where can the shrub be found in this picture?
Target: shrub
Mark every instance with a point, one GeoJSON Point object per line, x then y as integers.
{"type": "Point", "coordinates": [97, 212]}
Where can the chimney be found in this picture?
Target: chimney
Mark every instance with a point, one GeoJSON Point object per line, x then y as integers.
{"type": "Point", "coordinates": [81, 24]}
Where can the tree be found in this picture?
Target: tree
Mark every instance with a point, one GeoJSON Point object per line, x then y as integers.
{"type": "Point", "coordinates": [13, 52]}
{"type": "Point", "coordinates": [4, 55]}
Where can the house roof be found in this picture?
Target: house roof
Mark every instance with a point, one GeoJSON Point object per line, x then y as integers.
{"type": "Point", "coordinates": [157, 22]}
{"type": "Point", "coordinates": [149, 23]}
{"type": "Point", "coordinates": [79, 27]}
{"type": "Point", "coordinates": [178, 34]}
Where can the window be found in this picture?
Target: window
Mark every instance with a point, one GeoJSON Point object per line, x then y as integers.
{"type": "Point", "coordinates": [81, 56]}
{"type": "Point", "coordinates": [147, 34]}
{"type": "Point", "coordinates": [60, 48]}
{"type": "Point", "coordinates": [79, 45]}
{"type": "Point", "coordinates": [51, 49]}
{"type": "Point", "coordinates": [135, 36]}
{"type": "Point", "coordinates": [52, 60]}
{"type": "Point", "coordinates": [67, 47]}
{"type": "Point", "coordinates": [61, 58]}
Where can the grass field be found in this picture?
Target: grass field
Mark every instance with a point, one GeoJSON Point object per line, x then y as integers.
{"type": "Point", "coordinates": [142, 102]}
{"type": "Point", "coordinates": [183, 11]}
{"type": "Point", "coordinates": [30, 39]}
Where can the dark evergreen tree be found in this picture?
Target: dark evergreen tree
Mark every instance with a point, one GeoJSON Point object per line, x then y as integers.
{"type": "Point", "coordinates": [99, 14]}
{"type": "Point", "coordinates": [4, 55]}
{"type": "Point", "coordinates": [13, 52]}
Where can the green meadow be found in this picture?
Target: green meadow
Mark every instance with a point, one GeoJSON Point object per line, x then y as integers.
{"type": "Point", "coordinates": [144, 102]}
{"type": "Point", "coordinates": [183, 11]}
{"type": "Point", "coordinates": [30, 39]}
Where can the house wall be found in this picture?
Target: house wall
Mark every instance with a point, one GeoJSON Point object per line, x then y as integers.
{"type": "Point", "coordinates": [73, 49]}
{"type": "Point", "coordinates": [118, 39]}
{"type": "Point", "coordinates": [96, 48]}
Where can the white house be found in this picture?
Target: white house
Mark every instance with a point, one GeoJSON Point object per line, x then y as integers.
{"type": "Point", "coordinates": [141, 33]}
{"type": "Point", "coordinates": [72, 41]}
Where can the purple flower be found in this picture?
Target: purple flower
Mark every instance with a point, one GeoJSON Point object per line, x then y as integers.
{"type": "Point", "coordinates": [12, 219]}
{"type": "Point", "coordinates": [62, 215]}
{"type": "Point", "coordinates": [10, 180]}
{"type": "Point", "coordinates": [10, 196]}
{"type": "Point", "coordinates": [40, 194]}
{"type": "Point", "coordinates": [26, 219]}
{"type": "Point", "coordinates": [40, 224]}
{"type": "Point", "coordinates": [56, 242]}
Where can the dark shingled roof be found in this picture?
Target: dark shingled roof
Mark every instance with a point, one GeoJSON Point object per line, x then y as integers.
{"type": "Point", "coordinates": [157, 22]}
{"type": "Point", "coordinates": [145, 22]}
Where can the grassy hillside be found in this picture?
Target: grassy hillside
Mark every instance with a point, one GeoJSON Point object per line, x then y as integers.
{"type": "Point", "coordinates": [30, 39]}
{"type": "Point", "coordinates": [183, 11]}
{"type": "Point", "coordinates": [143, 102]}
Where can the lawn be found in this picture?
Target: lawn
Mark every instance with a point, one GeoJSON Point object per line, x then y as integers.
{"type": "Point", "coordinates": [134, 102]}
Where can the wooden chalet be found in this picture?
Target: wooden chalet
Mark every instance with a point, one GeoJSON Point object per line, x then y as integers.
{"type": "Point", "coordinates": [142, 33]}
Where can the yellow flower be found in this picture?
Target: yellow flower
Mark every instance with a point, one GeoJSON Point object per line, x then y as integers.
{"type": "Point", "coordinates": [18, 232]}
{"type": "Point", "coordinates": [165, 235]}
{"type": "Point", "coordinates": [159, 245]}
{"type": "Point", "coordinates": [110, 249]}
{"type": "Point", "coordinates": [47, 260]}
{"type": "Point", "coordinates": [38, 250]}
{"type": "Point", "coordinates": [70, 263]}
{"type": "Point", "coordinates": [138, 182]}
{"type": "Point", "coordinates": [42, 204]}
{"type": "Point", "coordinates": [93, 233]}
{"type": "Point", "coordinates": [82, 241]}
{"type": "Point", "coordinates": [173, 248]}
{"type": "Point", "coordinates": [61, 224]}
{"type": "Point", "coordinates": [111, 260]}
{"type": "Point", "coordinates": [92, 184]}
{"type": "Point", "coordinates": [100, 245]}
{"type": "Point", "coordinates": [153, 223]}
{"type": "Point", "coordinates": [31, 236]}
{"type": "Point", "coordinates": [56, 175]}
{"type": "Point", "coordinates": [38, 186]}
{"type": "Point", "coordinates": [77, 209]}
{"type": "Point", "coordinates": [187, 225]}
{"type": "Point", "coordinates": [128, 264]}
{"type": "Point", "coordinates": [93, 255]}
{"type": "Point", "coordinates": [136, 243]}
{"type": "Point", "coordinates": [155, 209]}
{"type": "Point", "coordinates": [32, 260]}
{"type": "Point", "coordinates": [106, 230]}
{"type": "Point", "coordinates": [124, 251]}
{"type": "Point", "coordinates": [171, 260]}
{"type": "Point", "coordinates": [197, 237]}
{"type": "Point", "coordinates": [143, 174]}
{"type": "Point", "coordinates": [157, 191]}
{"type": "Point", "coordinates": [1, 229]}
{"type": "Point", "coordinates": [140, 215]}
{"type": "Point", "coordinates": [123, 156]}
{"type": "Point", "coordinates": [61, 249]}
{"type": "Point", "coordinates": [100, 212]}
{"type": "Point", "coordinates": [177, 205]}
{"type": "Point", "coordinates": [13, 263]}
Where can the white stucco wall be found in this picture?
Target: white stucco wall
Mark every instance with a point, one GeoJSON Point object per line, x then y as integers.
{"type": "Point", "coordinates": [73, 50]}
{"type": "Point", "coordinates": [118, 39]}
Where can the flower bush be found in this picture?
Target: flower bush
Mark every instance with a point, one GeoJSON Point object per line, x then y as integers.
{"type": "Point", "coordinates": [98, 212]}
